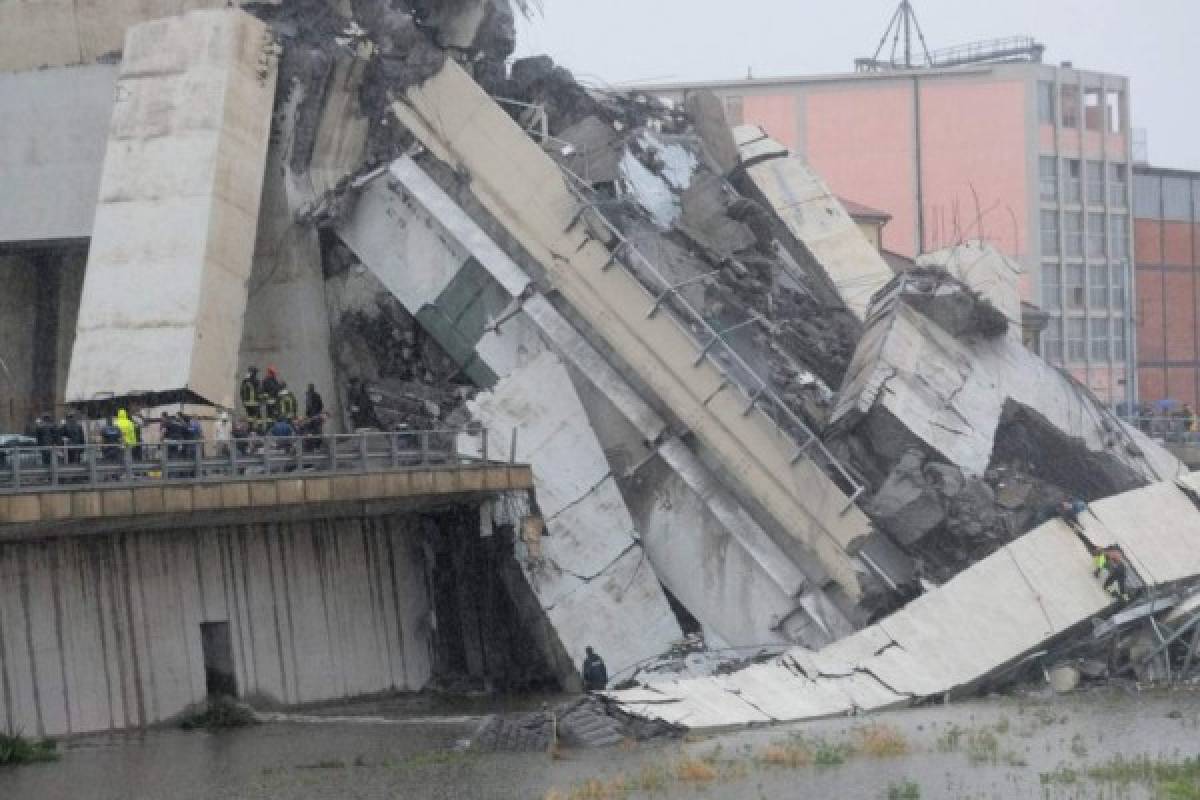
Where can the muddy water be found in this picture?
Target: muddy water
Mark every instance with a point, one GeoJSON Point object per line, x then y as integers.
{"type": "Point", "coordinates": [1000, 748]}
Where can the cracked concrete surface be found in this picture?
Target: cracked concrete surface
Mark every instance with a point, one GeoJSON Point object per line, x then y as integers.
{"type": "Point", "coordinates": [952, 638]}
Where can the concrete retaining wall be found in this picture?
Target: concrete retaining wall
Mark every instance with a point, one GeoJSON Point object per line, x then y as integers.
{"type": "Point", "coordinates": [103, 632]}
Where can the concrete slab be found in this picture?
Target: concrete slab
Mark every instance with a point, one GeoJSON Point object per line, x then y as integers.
{"type": "Point", "coordinates": [117, 502]}
{"type": "Point", "coordinates": [815, 217]}
{"type": "Point", "coordinates": [987, 617]}
{"type": "Point", "coordinates": [177, 500]}
{"type": "Point", "coordinates": [55, 507]}
{"type": "Point", "coordinates": [264, 494]}
{"type": "Point", "coordinates": [524, 190]}
{"type": "Point", "coordinates": [318, 490]}
{"type": "Point", "coordinates": [235, 495]}
{"type": "Point", "coordinates": [148, 500]}
{"type": "Point", "coordinates": [178, 210]}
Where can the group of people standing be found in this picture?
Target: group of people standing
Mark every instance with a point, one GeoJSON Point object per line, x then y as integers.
{"type": "Point", "coordinates": [273, 410]}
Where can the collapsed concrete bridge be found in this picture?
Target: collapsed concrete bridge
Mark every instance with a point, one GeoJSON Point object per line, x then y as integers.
{"type": "Point", "coordinates": [713, 377]}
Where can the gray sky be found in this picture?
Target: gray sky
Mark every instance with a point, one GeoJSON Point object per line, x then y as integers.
{"type": "Point", "coordinates": [619, 41]}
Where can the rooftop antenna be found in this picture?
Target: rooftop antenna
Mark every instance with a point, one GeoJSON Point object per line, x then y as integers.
{"type": "Point", "coordinates": [904, 23]}
{"type": "Point", "coordinates": [914, 52]}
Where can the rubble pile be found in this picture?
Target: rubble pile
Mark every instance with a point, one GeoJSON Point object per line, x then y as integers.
{"type": "Point", "coordinates": [970, 439]}
{"type": "Point", "coordinates": [692, 199]}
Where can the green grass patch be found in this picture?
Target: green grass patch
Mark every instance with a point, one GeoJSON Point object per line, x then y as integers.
{"type": "Point", "coordinates": [908, 790]}
{"type": "Point", "coordinates": [16, 750]}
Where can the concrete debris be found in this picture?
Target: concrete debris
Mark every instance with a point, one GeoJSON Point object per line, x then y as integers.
{"type": "Point", "coordinates": [934, 375]}
{"type": "Point", "coordinates": [986, 270]}
{"type": "Point", "coordinates": [815, 217]}
{"type": "Point", "coordinates": [952, 639]}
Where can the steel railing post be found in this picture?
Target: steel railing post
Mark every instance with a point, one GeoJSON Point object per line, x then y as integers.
{"type": "Point", "coordinates": [484, 449]}
{"type": "Point", "coordinates": [53, 466]}
{"type": "Point", "coordinates": [16, 467]}
{"type": "Point", "coordinates": [127, 463]}
{"type": "Point", "coordinates": [363, 452]}
{"type": "Point", "coordinates": [91, 457]}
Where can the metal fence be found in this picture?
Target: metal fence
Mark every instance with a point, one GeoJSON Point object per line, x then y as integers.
{"type": "Point", "coordinates": [25, 469]}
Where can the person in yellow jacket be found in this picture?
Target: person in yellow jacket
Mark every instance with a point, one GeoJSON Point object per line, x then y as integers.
{"type": "Point", "coordinates": [125, 426]}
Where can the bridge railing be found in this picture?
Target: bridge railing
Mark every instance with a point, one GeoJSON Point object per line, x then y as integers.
{"type": "Point", "coordinates": [25, 469]}
{"type": "Point", "coordinates": [1170, 428]}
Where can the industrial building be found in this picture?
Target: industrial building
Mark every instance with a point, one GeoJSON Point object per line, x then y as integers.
{"type": "Point", "coordinates": [1166, 210]}
{"type": "Point", "coordinates": [980, 142]}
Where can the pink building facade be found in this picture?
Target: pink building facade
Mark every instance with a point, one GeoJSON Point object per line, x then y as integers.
{"type": "Point", "coordinates": [1033, 158]}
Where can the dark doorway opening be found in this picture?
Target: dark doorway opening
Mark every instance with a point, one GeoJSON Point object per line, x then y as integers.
{"type": "Point", "coordinates": [218, 659]}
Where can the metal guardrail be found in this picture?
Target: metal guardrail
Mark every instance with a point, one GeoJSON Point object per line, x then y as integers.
{"type": "Point", "coordinates": [1170, 429]}
{"type": "Point", "coordinates": [718, 351]}
{"type": "Point", "coordinates": [31, 469]}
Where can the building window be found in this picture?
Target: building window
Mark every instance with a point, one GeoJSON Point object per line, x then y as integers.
{"type": "Point", "coordinates": [1118, 185]}
{"type": "Point", "coordinates": [1093, 109]}
{"type": "Point", "coordinates": [1051, 287]}
{"type": "Point", "coordinates": [1072, 186]}
{"type": "Point", "coordinates": [734, 110]}
{"type": "Point", "coordinates": [1098, 286]}
{"type": "Point", "coordinates": [1095, 183]}
{"type": "Point", "coordinates": [1049, 233]}
{"type": "Point", "coordinates": [1118, 231]}
{"type": "Point", "coordinates": [1070, 106]}
{"type": "Point", "coordinates": [1048, 171]}
{"type": "Point", "coordinates": [1177, 199]}
{"type": "Point", "coordinates": [1046, 102]}
{"type": "Point", "coordinates": [1147, 196]}
{"type": "Point", "coordinates": [1099, 339]}
{"type": "Point", "coordinates": [1118, 339]}
{"type": "Point", "coordinates": [1052, 346]}
{"type": "Point", "coordinates": [1076, 339]}
{"type": "Point", "coordinates": [1073, 233]}
{"type": "Point", "coordinates": [1096, 235]}
{"type": "Point", "coordinates": [1073, 286]}
{"type": "Point", "coordinates": [1114, 110]}
{"type": "Point", "coordinates": [1119, 271]}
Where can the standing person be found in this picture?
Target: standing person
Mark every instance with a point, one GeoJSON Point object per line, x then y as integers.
{"type": "Point", "coordinates": [251, 391]}
{"type": "Point", "coordinates": [288, 407]}
{"type": "Point", "coordinates": [125, 426]}
{"type": "Point", "coordinates": [314, 405]}
{"type": "Point", "coordinates": [223, 433]}
{"type": "Point", "coordinates": [270, 395]}
{"type": "Point", "coordinates": [595, 674]}
{"type": "Point", "coordinates": [110, 438]}
{"type": "Point", "coordinates": [46, 433]}
{"type": "Point", "coordinates": [74, 438]}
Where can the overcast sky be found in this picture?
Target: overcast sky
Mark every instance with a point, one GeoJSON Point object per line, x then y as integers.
{"type": "Point", "coordinates": [618, 41]}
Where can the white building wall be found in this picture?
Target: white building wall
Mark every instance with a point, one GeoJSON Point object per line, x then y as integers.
{"type": "Point", "coordinates": [104, 632]}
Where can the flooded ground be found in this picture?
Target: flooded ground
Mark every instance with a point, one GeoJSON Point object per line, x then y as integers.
{"type": "Point", "coordinates": [1089, 745]}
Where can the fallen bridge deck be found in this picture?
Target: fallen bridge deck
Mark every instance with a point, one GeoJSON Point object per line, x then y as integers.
{"type": "Point", "coordinates": [987, 618]}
